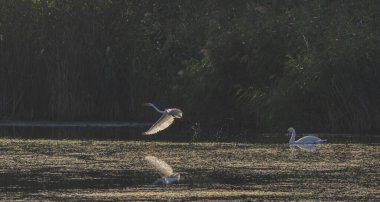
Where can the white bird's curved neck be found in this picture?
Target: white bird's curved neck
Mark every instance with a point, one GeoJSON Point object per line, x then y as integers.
{"type": "Point", "coordinates": [152, 105]}
{"type": "Point", "coordinates": [293, 137]}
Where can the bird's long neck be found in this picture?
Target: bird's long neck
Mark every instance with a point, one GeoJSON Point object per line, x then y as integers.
{"type": "Point", "coordinates": [152, 105]}
{"type": "Point", "coordinates": [293, 137]}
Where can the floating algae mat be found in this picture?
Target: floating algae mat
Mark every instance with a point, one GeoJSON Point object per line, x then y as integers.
{"type": "Point", "coordinates": [116, 170]}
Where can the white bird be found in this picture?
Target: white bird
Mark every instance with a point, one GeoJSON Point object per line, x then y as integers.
{"type": "Point", "coordinates": [166, 172]}
{"type": "Point", "coordinates": [167, 118]}
{"type": "Point", "coordinates": [307, 147]}
{"type": "Point", "coordinates": [304, 140]}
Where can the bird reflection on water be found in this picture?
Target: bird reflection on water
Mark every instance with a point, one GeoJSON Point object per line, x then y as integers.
{"type": "Point", "coordinates": [303, 147]}
{"type": "Point", "coordinates": [165, 170]}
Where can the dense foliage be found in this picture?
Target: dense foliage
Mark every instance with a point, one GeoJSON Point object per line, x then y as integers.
{"type": "Point", "coordinates": [235, 67]}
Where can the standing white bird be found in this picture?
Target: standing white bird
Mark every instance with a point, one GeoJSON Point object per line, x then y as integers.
{"type": "Point", "coordinates": [167, 118]}
{"type": "Point", "coordinates": [304, 140]}
{"type": "Point", "coordinates": [166, 172]}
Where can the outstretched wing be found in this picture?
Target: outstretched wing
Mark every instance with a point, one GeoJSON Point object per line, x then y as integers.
{"type": "Point", "coordinates": [165, 121]}
{"type": "Point", "coordinates": [161, 166]}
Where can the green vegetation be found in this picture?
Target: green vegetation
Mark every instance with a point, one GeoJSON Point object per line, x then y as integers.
{"type": "Point", "coordinates": [46, 170]}
{"type": "Point", "coordinates": [236, 67]}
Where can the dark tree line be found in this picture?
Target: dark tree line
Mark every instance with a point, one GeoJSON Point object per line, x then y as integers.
{"type": "Point", "coordinates": [236, 67]}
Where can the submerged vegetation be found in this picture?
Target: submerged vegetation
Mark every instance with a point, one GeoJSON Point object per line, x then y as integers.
{"type": "Point", "coordinates": [35, 170]}
{"type": "Point", "coordinates": [235, 67]}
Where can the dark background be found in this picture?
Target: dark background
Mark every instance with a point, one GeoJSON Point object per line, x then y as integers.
{"type": "Point", "coordinates": [236, 67]}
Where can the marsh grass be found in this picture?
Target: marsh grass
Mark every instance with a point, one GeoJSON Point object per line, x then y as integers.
{"type": "Point", "coordinates": [115, 170]}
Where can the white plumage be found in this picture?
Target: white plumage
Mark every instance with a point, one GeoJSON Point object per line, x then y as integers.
{"type": "Point", "coordinates": [166, 172]}
{"type": "Point", "coordinates": [163, 122]}
{"type": "Point", "coordinates": [167, 118]}
{"type": "Point", "coordinates": [304, 140]}
{"type": "Point", "coordinates": [307, 147]}
{"type": "Point", "coordinates": [160, 166]}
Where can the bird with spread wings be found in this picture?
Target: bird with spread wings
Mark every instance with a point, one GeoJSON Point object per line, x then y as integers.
{"type": "Point", "coordinates": [166, 119]}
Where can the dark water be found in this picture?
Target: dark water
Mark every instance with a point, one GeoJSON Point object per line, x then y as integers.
{"type": "Point", "coordinates": [134, 133]}
{"type": "Point", "coordinates": [120, 133]}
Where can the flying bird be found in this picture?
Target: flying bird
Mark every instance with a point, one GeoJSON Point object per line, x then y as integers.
{"type": "Point", "coordinates": [165, 171]}
{"type": "Point", "coordinates": [167, 118]}
{"type": "Point", "coordinates": [304, 140]}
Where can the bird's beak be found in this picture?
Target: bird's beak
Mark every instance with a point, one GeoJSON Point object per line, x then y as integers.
{"type": "Point", "coordinates": [145, 104]}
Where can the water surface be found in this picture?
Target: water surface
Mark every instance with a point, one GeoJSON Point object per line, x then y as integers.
{"type": "Point", "coordinates": [116, 170]}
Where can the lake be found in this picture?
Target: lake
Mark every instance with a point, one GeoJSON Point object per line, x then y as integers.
{"type": "Point", "coordinates": [116, 170]}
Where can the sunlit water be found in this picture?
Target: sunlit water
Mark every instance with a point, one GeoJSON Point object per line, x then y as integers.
{"type": "Point", "coordinates": [116, 170]}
